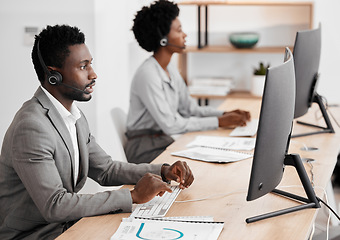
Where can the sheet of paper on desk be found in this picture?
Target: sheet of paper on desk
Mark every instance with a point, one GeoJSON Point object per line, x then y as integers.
{"type": "Point", "coordinates": [207, 154]}
{"type": "Point", "coordinates": [163, 229]}
{"type": "Point", "coordinates": [189, 218]}
{"type": "Point", "coordinates": [232, 143]}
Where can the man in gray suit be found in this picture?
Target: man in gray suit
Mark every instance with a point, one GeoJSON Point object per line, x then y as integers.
{"type": "Point", "coordinates": [48, 150]}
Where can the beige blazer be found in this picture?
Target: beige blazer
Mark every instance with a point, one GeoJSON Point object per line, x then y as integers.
{"type": "Point", "coordinates": [37, 192]}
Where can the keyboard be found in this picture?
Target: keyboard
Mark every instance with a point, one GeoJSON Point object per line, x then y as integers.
{"type": "Point", "coordinates": [158, 206]}
{"type": "Point", "coordinates": [246, 131]}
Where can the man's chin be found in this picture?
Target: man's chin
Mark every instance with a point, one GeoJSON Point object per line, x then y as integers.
{"type": "Point", "coordinates": [84, 99]}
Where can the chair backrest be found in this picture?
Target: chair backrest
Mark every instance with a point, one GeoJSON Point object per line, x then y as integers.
{"type": "Point", "coordinates": [119, 139]}
{"type": "Point", "coordinates": [119, 120]}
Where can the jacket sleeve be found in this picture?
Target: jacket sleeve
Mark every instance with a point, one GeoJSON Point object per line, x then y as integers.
{"type": "Point", "coordinates": [45, 171]}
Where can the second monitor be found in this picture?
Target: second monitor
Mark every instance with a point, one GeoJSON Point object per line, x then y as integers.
{"type": "Point", "coordinates": [272, 142]}
{"type": "Point", "coordinates": [307, 52]}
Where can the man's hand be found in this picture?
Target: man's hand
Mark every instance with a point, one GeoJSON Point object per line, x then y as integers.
{"type": "Point", "coordinates": [149, 186]}
{"type": "Point", "coordinates": [234, 118]}
{"type": "Point", "coordinates": [179, 172]}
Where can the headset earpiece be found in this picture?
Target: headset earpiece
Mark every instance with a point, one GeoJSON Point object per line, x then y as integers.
{"type": "Point", "coordinates": [55, 78]}
{"type": "Point", "coordinates": [163, 42]}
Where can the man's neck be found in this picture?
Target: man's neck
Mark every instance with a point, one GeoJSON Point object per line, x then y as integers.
{"type": "Point", "coordinates": [67, 103]}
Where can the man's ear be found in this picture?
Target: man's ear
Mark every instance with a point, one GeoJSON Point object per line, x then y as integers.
{"type": "Point", "coordinates": [52, 68]}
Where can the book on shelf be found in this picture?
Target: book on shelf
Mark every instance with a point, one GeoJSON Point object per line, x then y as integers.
{"type": "Point", "coordinates": [210, 86]}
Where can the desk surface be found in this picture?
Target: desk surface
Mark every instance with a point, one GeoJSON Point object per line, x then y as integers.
{"type": "Point", "coordinates": [231, 180]}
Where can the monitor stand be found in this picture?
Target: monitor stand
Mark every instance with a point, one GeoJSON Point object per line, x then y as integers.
{"type": "Point", "coordinates": [329, 129]}
{"type": "Point", "coordinates": [310, 202]}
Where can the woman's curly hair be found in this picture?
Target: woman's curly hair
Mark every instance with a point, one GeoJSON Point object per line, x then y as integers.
{"type": "Point", "coordinates": [153, 23]}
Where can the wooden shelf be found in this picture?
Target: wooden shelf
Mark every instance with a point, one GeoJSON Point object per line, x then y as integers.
{"type": "Point", "coordinates": [248, 3]}
{"type": "Point", "coordinates": [206, 4]}
{"type": "Point", "coordinates": [204, 47]}
{"type": "Point", "coordinates": [230, 49]}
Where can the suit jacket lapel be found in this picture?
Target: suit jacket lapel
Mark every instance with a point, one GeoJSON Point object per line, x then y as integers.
{"type": "Point", "coordinates": [58, 123]}
{"type": "Point", "coordinates": [83, 156]}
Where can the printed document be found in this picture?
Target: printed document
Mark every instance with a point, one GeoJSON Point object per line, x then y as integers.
{"type": "Point", "coordinates": [207, 154]}
{"type": "Point", "coordinates": [166, 230]}
{"type": "Point", "coordinates": [231, 143]}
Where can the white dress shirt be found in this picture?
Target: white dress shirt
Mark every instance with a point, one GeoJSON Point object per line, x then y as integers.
{"type": "Point", "coordinates": [70, 119]}
{"type": "Point", "coordinates": [161, 103]}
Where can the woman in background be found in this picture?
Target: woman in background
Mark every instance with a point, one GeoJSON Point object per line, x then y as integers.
{"type": "Point", "coordinates": [160, 104]}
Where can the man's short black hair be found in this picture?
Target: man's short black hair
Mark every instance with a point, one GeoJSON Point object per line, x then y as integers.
{"type": "Point", "coordinates": [153, 23]}
{"type": "Point", "coordinates": [53, 45]}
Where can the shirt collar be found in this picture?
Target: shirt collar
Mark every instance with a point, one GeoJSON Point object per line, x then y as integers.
{"type": "Point", "coordinates": [74, 114]}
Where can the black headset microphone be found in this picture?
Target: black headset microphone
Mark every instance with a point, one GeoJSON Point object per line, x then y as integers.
{"type": "Point", "coordinates": [164, 42]}
{"type": "Point", "coordinates": [54, 77]}
{"type": "Point", "coordinates": [74, 88]}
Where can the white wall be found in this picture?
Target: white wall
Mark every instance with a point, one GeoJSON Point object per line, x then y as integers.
{"type": "Point", "coordinates": [112, 65]}
{"type": "Point", "coordinates": [327, 13]}
{"type": "Point", "coordinates": [107, 25]}
{"type": "Point", "coordinates": [18, 78]}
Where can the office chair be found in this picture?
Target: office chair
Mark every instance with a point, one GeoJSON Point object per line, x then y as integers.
{"type": "Point", "coordinates": [119, 121]}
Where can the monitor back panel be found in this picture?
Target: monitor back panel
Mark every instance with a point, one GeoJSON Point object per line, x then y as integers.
{"type": "Point", "coordinates": [275, 123]}
{"type": "Point", "coordinates": [307, 51]}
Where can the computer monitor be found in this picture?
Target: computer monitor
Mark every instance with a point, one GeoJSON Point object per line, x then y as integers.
{"type": "Point", "coordinates": [307, 51]}
{"type": "Point", "coordinates": [272, 141]}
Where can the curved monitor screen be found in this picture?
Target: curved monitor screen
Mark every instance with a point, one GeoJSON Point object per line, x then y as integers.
{"type": "Point", "coordinates": [275, 124]}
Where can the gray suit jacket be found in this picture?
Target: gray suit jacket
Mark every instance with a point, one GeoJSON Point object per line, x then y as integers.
{"type": "Point", "coordinates": [37, 191]}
